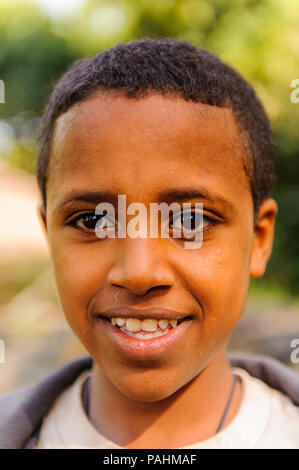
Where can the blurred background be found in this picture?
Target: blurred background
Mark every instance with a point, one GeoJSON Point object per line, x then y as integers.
{"type": "Point", "coordinates": [39, 39]}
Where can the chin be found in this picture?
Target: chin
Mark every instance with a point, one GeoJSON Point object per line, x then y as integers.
{"type": "Point", "coordinates": [146, 390]}
{"type": "Point", "coordinates": [145, 396]}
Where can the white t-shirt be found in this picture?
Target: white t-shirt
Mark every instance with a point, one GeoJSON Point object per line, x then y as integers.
{"type": "Point", "coordinates": [266, 419]}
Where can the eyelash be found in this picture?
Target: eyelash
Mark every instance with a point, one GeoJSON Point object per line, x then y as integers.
{"type": "Point", "coordinates": [73, 221]}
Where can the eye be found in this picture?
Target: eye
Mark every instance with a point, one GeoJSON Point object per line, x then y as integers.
{"type": "Point", "coordinates": [91, 222]}
{"type": "Point", "coordinates": [191, 221]}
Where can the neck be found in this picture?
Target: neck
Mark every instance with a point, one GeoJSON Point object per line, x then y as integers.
{"type": "Point", "coordinates": [197, 407]}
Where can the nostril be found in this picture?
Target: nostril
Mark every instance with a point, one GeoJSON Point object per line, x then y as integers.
{"type": "Point", "coordinates": [157, 288]}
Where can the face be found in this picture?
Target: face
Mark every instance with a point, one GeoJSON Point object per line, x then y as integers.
{"type": "Point", "coordinates": [156, 149]}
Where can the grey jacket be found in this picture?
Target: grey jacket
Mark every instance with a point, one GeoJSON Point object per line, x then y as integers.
{"type": "Point", "coordinates": [22, 411]}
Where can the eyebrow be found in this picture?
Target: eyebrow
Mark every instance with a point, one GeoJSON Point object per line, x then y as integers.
{"type": "Point", "coordinates": [167, 196]}
{"type": "Point", "coordinates": [199, 192]}
{"type": "Point", "coordinates": [87, 196]}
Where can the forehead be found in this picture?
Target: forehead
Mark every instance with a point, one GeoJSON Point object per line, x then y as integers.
{"type": "Point", "coordinates": [137, 146]}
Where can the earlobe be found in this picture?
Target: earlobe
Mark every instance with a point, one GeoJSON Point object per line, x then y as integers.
{"type": "Point", "coordinates": [263, 237]}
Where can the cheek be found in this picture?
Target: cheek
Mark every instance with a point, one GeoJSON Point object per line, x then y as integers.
{"type": "Point", "coordinates": [79, 273]}
{"type": "Point", "coordinates": [219, 282]}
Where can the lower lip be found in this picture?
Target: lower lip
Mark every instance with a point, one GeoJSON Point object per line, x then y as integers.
{"type": "Point", "coordinates": [148, 349]}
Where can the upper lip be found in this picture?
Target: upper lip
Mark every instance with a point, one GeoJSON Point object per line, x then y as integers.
{"type": "Point", "coordinates": [150, 312]}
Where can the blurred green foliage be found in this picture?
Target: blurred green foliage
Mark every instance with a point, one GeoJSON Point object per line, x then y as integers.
{"type": "Point", "coordinates": [17, 275]}
{"type": "Point", "coordinates": [260, 38]}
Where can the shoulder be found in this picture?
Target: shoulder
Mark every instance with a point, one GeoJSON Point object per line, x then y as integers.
{"type": "Point", "coordinates": [66, 421]}
{"type": "Point", "coordinates": [22, 410]}
{"type": "Point", "coordinates": [279, 427]}
{"type": "Point", "coordinates": [270, 371]}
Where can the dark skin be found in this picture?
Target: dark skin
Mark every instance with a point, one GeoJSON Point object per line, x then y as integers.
{"type": "Point", "coordinates": [142, 148]}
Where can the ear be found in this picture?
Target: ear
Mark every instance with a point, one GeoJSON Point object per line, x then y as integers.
{"type": "Point", "coordinates": [263, 237]}
{"type": "Point", "coordinates": [41, 211]}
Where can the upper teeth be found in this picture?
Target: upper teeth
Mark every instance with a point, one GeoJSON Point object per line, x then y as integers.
{"type": "Point", "coordinates": [149, 324]}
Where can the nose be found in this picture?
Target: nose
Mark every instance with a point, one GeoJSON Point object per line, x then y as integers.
{"type": "Point", "coordinates": [140, 267]}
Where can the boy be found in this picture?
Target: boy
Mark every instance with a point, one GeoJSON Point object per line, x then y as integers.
{"type": "Point", "coordinates": [157, 121]}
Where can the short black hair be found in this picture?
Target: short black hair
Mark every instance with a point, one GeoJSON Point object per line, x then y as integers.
{"type": "Point", "coordinates": [174, 67]}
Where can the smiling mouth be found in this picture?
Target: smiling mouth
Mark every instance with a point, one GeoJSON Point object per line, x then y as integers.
{"type": "Point", "coordinates": [146, 328]}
